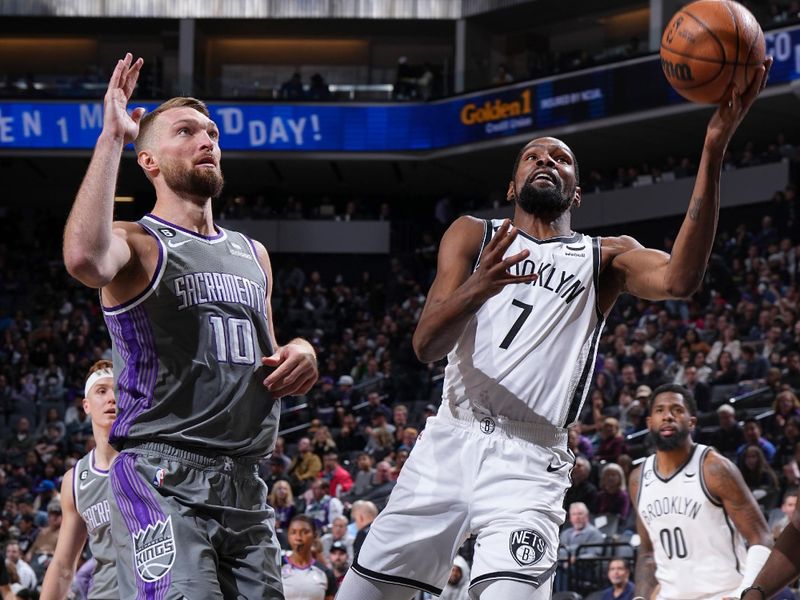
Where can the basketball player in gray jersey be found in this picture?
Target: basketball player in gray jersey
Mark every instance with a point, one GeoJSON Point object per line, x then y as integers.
{"type": "Point", "coordinates": [85, 497]}
{"type": "Point", "coordinates": [517, 308]}
{"type": "Point", "coordinates": [187, 305]}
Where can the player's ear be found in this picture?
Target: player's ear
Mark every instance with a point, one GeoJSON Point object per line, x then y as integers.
{"type": "Point", "coordinates": [86, 406]}
{"type": "Point", "coordinates": [148, 162]}
{"type": "Point", "coordinates": [510, 197]}
{"type": "Point", "coordinates": [576, 198]}
{"type": "Point", "coordinates": [647, 421]}
{"type": "Point", "coordinates": [692, 423]}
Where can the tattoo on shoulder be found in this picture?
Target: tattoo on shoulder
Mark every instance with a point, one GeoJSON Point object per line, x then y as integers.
{"type": "Point", "coordinates": [694, 208]}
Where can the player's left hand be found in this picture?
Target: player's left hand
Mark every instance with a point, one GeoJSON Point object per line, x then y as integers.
{"type": "Point", "coordinates": [295, 371]}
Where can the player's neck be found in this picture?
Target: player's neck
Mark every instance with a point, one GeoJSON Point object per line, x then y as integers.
{"type": "Point", "coordinates": [190, 213]}
{"type": "Point", "coordinates": [667, 462]}
{"type": "Point", "coordinates": [104, 453]}
{"type": "Point", "coordinates": [542, 229]}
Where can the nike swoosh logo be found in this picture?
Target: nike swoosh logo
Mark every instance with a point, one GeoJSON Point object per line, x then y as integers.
{"type": "Point", "coordinates": [690, 474]}
{"type": "Point", "coordinates": [84, 484]}
{"type": "Point", "coordinates": [576, 248]}
{"type": "Point", "coordinates": [172, 244]}
{"type": "Point", "coordinates": [551, 468]}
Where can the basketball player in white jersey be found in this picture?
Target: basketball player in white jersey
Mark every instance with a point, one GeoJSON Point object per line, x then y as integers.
{"type": "Point", "coordinates": [695, 512]}
{"type": "Point", "coordinates": [84, 500]}
{"type": "Point", "coordinates": [518, 308]}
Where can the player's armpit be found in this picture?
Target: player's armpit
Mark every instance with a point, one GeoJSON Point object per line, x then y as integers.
{"type": "Point", "coordinates": [648, 273]}
{"type": "Point", "coordinates": [724, 482]}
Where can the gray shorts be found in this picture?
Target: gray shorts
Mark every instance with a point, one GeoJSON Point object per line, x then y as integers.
{"type": "Point", "coordinates": [187, 525]}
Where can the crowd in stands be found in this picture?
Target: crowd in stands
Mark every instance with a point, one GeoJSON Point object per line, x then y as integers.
{"type": "Point", "coordinates": [343, 446]}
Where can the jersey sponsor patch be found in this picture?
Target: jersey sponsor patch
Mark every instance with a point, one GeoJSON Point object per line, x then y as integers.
{"type": "Point", "coordinates": [237, 250]}
{"type": "Point", "coordinates": [154, 550]}
{"type": "Point", "coordinates": [527, 546]}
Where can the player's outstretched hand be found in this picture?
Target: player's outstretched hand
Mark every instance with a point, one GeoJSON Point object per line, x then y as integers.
{"type": "Point", "coordinates": [735, 105]}
{"type": "Point", "coordinates": [295, 371]}
{"type": "Point", "coordinates": [116, 120]}
{"type": "Point", "coordinates": [493, 272]}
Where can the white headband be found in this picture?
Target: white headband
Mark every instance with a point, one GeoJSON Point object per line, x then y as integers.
{"type": "Point", "coordinates": [92, 379]}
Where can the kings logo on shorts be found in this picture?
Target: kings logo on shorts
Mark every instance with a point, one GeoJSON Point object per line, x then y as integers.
{"type": "Point", "coordinates": [154, 550]}
{"type": "Point", "coordinates": [527, 546]}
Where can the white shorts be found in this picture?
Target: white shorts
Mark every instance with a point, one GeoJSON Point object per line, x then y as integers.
{"type": "Point", "coordinates": [501, 480]}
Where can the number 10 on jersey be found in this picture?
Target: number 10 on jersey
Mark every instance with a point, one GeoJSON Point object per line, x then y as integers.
{"type": "Point", "coordinates": [233, 339]}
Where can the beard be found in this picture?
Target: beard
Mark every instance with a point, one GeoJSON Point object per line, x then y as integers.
{"type": "Point", "coordinates": [672, 442]}
{"type": "Point", "coordinates": [206, 183]}
{"type": "Point", "coordinates": [544, 201]}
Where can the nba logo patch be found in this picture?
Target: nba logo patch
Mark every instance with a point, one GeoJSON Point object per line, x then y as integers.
{"type": "Point", "coordinates": [527, 546]}
{"type": "Point", "coordinates": [158, 478]}
{"type": "Point", "coordinates": [154, 550]}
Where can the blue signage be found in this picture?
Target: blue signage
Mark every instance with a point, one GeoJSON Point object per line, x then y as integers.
{"type": "Point", "coordinates": [569, 99]}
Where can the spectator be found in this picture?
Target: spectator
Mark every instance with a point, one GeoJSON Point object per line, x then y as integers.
{"type": "Point", "coordinates": [580, 532]}
{"type": "Point", "coordinates": [282, 501]}
{"type": "Point", "coordinates": [305, 466]}
{"type": "Point", "coordinates": [728, 437]}
{"type": "Point", "coordinates": [752, 437]}
{"type": "Point", "coordinates": [383, 483]}
{"type": "Point", "coordinates": [582, 490]}
{"type": "Point", "coordinates": [752, 367]}
{"type": "Point", "coordinates": [363, 513]}
{"type": "Point", "coordinates": [779, 518]}
{"type": "Point", "coordinates": [791, 374]}
{"type": "Point", "coordinates": [318, 90]}
{"type": "Point", "coordinates": [579, 444]}
{"type": "Point", "coordinates": [338, 536]}
{"type": "Point", "coordinates": [724, 372]}
{"type": "Point", "coordinates": [43, 547]}
{"type": "Point", "coordinates": [27, 577]}
{"type": "Point", "coordinates": [340, 560]}
{"type": "Point", "coordinates": [457, 587]}
{"type": "Point", "coordinates": [785, 406]}
{"type": "Point", "coordinates": [364, 476]}
{"type": "Point", "coordinates": [758, 475]}
{"type": "Point", "coordinates": [339, 480]}
{"type": "Point", "coordinates": [323, 507]}
{"type": "Point", "coordinates": [350, 438]}
{"type": "Point", "coordinates": [619, 574]}
{"type": "Point", "coordinates": [613, 495]}
{"type": "Point", "coordinates": [277, 472]}
{"type": "Point", "coordinates": [701, 392]}
{"type": "Point", "coordinates": [292, 88]}
{"type": "Point", "coordinates": [323, 442]}
{"type": "Point", "coordinates": [612, 443]}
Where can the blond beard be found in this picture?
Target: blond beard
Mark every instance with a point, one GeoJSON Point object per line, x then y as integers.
{"type": "Point", "coordinates": [205, 183]}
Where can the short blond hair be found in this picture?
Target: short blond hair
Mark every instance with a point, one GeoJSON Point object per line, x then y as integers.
{"type": "Point", "coordinates": [100, 365]}
{"type": "Point", "coordinates": [146, 124]}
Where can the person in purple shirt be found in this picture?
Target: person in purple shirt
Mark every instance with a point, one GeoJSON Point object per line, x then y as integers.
{"type": "Point", "coordinates": [752, 437]}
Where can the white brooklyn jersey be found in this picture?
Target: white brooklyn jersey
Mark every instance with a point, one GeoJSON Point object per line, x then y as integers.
{"type": "Point", "coordinates": [698, 552]}
{"type": "Point", "coordinates": [529, 352]}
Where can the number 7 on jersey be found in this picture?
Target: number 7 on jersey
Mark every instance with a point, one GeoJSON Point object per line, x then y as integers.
{"type": "Point", "coordinates": [512, 333]}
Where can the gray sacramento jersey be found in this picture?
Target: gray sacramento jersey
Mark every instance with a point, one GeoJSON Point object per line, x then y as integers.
{"type": "Point", "coordinates": [91, 491]}
{"type": "Point", "coordinates": [187, 351]}
{"type": "Point", "coordinates": [529, 352]}
{"type": "Point", "coordinates": [698, 552]}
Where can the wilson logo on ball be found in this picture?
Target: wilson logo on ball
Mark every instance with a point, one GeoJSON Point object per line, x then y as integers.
{"type": "Point", "coordinates": [679, 71]}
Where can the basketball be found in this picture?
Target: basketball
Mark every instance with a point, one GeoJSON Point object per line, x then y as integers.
{"type": "Point", "coordinates": [708, 45]}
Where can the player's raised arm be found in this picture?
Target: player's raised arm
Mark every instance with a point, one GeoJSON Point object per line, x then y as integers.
{"type": "Point", "coordinates": [645, 573]}
{"type": "Point", "coordinates": [457, 292]}
{"type": "Point", "coordinates": [656, 275]}
{"type": "Point", "coordinates": [93, 251]}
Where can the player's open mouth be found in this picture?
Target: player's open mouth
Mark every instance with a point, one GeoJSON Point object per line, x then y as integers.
{"type": "Point", "coordinates": [667, 431]}
{"type": "Point", "coordinates": [206, 162]}
{"type": "Point", "coordinates": [544, 176]}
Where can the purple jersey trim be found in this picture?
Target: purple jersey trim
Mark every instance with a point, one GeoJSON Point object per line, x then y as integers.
{"type": "Point", "coordinates": [132, 335]}
{"type": "Point", "coordinates": [139, 508]}
{"type": "Point", "coordinates": [151, 284]}
{"type": "Point", "coordinates": [95, 468]}
{"type": "Point", "coordinates": [209, 238]}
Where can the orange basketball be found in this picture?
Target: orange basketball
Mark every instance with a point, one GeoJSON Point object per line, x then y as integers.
{"type": "Point", "coordinates": [708, 45]}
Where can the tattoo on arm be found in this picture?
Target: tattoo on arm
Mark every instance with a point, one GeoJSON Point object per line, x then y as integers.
{"type": "Point", "coordinates": [645, 575]}
{"type": "Point", "coordinates": [694, 208]}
